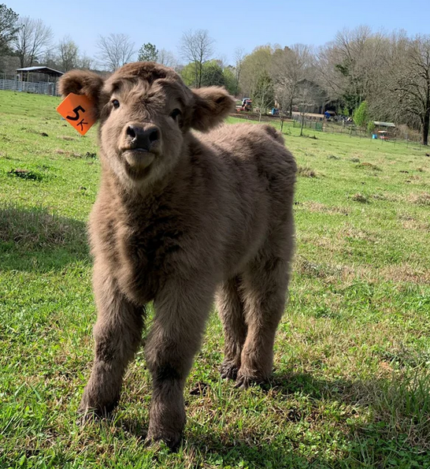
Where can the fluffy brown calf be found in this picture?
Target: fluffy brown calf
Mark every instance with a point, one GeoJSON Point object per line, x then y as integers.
{"type": "Point", "coordinates": [179, 218]}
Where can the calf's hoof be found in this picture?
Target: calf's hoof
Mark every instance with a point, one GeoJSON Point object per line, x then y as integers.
{"type": "Point", "coordinates": [229, 371]}
{"type": "Point", "coordinates": [92, 408]}
{"type": "Point", "coordinates": [171, 439]}
{"type": "Point", "coordinates": [245, 380]}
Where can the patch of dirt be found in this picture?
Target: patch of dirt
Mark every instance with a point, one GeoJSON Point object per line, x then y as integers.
{"type": "Point", "coordinates": [406, 273]}
{"type": "Point", "coordinates": [306, 172]}
{"type": "Point", "coordinates": [379, 196]}
{"type": "Point", "coordinates": [327, 272]}
{"type": "Point", "coordinates": [318, 207]}
{"type": "Point", "coordinates": [419, 199]}
{"type": "Point", "coordinates": [351, 232]}
{"type": "Point", "coordinates": [360, 198]}
{"type": "Point", "coordinates": [25, 174]}
{"type": "Point", "coordinates": [366, 165]}
{"type": "Point", "coordinates": [410, 223]}
{"type": "Point", "coordinates": [413, 225]}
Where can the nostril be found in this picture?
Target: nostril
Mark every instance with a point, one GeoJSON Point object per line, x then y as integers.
{"type": "Point", "coordinates": [131, 131]}
{"type": "Point", "coordinates": [154, 135]}
{"type": "Point", "coordinates": [143, 137]}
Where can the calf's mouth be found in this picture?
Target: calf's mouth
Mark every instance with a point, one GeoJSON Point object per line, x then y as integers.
{"type": "Point", "coordinates": [138, 158]}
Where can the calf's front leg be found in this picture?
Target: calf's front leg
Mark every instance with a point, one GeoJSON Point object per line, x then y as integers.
{"type": "Point", "coordinates": [180, 316]}
{"type": "Point", "coordinates": [117, 335]}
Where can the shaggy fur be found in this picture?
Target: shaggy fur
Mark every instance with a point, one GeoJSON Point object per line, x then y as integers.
{"type": "Point", "coordinates": [179, 218]}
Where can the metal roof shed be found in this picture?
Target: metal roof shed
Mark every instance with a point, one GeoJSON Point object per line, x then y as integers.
{"type": "Point", "coordinates": [384, 130]}
{"type": "Point", "coordinates": [40, 79]}
{"type": "Point", "coordinates": [26, 72]}
{"type": "Point", "coordinates": [384, 124]}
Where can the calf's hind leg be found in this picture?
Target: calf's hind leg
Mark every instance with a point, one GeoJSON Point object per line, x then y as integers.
{"type": "Point", "coordinates": [117, 335]}
{"type": "Point", "coordinates": [231, 311]}
{"type": "Point", "coordinates": [265, 285]}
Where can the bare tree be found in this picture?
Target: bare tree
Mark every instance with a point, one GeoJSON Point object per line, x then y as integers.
{"type": "Point", "coordinates": [263, 96]}
{"type": "Point", "coordinates": [84, 62]}
{"type": "Point", "coordinates": [50, 59]}
{"type": "Point", "coordinates": [239, 55]}
{"type": "Point", "coordinates": [197, 48]}
{"type": "Point", "coordinates": [166, 58]}
{"type": "Point", "coordinates": [309, 96]}
{"type": "Point", "coordinates": [401, 92]}
{"type": "Point", "coordinates": [115, 50]}
{"type": "Point", "coordinates": [412, 82]}
{"type": "Point", "coordinates": [68, 54]}
{"type": "Point", "coordinates": [350, 66]}
{"type": "Point", "coordinates": [290, 67]}
{"type": "Point", "coordinates": [33, 39]}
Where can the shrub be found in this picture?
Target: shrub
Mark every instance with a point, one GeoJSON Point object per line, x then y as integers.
{"type": "Point", "coordinates": [361, 115]}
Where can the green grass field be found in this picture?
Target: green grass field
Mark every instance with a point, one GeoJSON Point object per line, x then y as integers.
{"type": "Point", "coordinates": [351, 385]}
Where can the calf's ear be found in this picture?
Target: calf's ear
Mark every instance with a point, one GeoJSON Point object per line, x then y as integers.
{"type": "Point", "coordinates": [81, 82]}
{"type": "Point", "coordinates": [211, 106]}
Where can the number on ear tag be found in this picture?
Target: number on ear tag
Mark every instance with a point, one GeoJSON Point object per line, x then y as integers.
{"type": "Point", "coordinates": [78, 110]}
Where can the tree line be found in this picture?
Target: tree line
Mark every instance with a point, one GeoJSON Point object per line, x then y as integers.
{"type": "Point", "coordinates": [361, 74]}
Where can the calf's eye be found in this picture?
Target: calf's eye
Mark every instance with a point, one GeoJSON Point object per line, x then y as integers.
{"type": "Point", "coordinates": [115, 103]}
{"type": "Point", "coordinates": [175, 114]}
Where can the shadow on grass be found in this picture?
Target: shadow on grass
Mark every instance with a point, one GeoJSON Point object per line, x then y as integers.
{"type": "Point", "coordinates": [35, 240]}
{"type": "Point", "coordinates": [227, 450]}
{"type": "Point", "coordinates": [396, 432]}
{"type": "Point", "coordinates": [253, 452]}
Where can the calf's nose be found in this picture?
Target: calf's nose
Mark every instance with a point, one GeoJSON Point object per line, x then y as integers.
{"type": "Point", "coordinates": [143, 137]}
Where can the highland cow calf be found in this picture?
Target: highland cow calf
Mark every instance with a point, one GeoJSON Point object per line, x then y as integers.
{"type": "Point", "coordinates": [179, 218]}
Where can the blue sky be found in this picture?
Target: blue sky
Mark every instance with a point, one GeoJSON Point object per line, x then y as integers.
{"type": "Point", "coordinates": [234, 23]}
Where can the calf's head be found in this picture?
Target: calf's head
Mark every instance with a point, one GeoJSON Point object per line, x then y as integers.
{"type": "Point", "coordinates": [145, 112]}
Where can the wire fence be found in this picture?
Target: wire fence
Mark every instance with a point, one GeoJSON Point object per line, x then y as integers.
{"type": "Point", "coordinates": [400, 133]}
{"type": "Point", "coordinates": [41, 87]}
{"type": "Point", "coordinates": [309, 124]}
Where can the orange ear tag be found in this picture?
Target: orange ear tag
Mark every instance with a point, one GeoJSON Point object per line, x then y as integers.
{"type": "Point", "coordinates": [78, 110]}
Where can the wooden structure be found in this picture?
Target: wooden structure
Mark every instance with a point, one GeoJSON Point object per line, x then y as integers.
{"type": "Point", "coordinates": [38, 74]}
{"type": "Point", "coordinates": [384, 130]}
